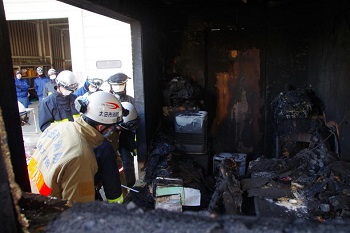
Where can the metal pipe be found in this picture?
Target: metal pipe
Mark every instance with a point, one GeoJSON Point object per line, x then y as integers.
{"type": "Point", "coordinates": [131, 189]}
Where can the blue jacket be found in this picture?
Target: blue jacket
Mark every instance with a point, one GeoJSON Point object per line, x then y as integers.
{"type": "Point", "coordinates": [108, 172]}
{"type": "Point", "coordinates": [49, 88]}
{"type": "Point", "coordinates": [82, 90]}
{"type": "Point", "coordinates": [22, 86]}
{"type": "Point", "coordinates": [39, 84]}
{"type": "Point", "coordinates": [57, 108]}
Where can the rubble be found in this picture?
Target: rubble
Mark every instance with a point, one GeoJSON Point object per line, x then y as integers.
{"type": "Point", "coordinates": [104, 217]}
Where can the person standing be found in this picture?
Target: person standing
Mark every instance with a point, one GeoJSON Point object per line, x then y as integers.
{"type": "Point", "coordinates": [64, 163]}
{"type": "Point", "coordinates": [22, 87]}
{"type": "Point", "coordinates": [49, 87]}
{"type": "Point", "coordinates": [127, 138]}
{"type": "Point", "coordinates": [91, 85]}
{"type": "Point", "coordinates": [117, 83]}
{"type": "Point", "coordinates": [59, 106]}
{"type": "Point", "coordinates": [39, 83]}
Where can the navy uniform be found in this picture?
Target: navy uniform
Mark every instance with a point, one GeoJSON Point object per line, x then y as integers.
{"type": "Point", "coordinates": [127, 143]}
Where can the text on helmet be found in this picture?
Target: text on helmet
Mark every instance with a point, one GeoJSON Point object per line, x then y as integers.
{"type": "Point", "coordinates": [109, 114]}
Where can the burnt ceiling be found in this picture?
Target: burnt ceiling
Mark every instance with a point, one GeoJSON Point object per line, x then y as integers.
{"type": "Point", "coordinates": [277, 14]}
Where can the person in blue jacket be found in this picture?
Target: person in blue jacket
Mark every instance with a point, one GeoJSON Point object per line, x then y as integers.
{"type": "Point", "coordinates": [107, 175]}
{"type": "Point", "coordinates": [22, 87]}
{"type": "Point", "coordinates": [91, 85]}
{"type": "Point", "coordinates": [39, 83]}
{"type": "Point", "coordinates": [49, 87]}
{"type": "Point", "coordinates": [127, 143]}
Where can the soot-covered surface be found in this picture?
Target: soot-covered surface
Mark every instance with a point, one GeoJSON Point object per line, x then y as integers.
{"type": "Point", "coordinates": [104, 217]}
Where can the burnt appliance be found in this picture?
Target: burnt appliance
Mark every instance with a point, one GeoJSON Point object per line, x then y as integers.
{"type": "Point", "coordinates": [191, 131]}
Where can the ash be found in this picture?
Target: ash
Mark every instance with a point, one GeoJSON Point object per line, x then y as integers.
{"type": "Point", "coordinates": [103, 217]}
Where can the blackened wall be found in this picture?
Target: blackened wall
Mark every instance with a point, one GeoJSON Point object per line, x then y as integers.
{"type": "Point", "coordinates": [198, 41]}
{"type": "Point", "coordinates": [329, 70]}
{"type": "Point", "coordinates": [300, 44]}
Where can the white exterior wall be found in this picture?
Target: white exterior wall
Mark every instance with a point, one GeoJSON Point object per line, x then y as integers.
{"type": "Point", "coordinates": [93, 37]}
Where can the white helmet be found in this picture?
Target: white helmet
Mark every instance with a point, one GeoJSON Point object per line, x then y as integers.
{"type": "Point", "coordinates": [67, 79]}
{"type": "Point", "coordinates": [39, 69]}
{"type": "Point", "coordinates": [130, 117]}
{"type": "Point", "coordinates": [51, 72]}
{"type": "Point", "coordinates": [103, 108]}
{"type": "Point", "coordinates": [95, 82]}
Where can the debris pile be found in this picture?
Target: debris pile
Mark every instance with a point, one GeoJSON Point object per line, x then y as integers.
{"type": "Point", "coordinates": [314, 182]}
{"type": "Point", "coordinates": [299, 122]}
{"type": "Point", "coordinates": [295, 104]}
{"type": "Point", "coordinates": [184, 93]}
{"type": "Point", "coordinates": [167, 160]}
{"type": "Point", "coordinates": [227, 197]}
{"type": "Point", "coordinates": [105, 217]}
{"type": "Point", "coordinates": [41, 210]}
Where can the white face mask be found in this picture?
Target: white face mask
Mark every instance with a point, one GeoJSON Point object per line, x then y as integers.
{"type": "Point", "coordinates": [65, 92]}
{"type": "Point", "coordinates": [19, 76]}
{"type": "Point", "coordinates": [92, 89]}
{"type": "Point", "coordinates": [118, 88]}
{"type": "Point", "coordinates": [52, 77]}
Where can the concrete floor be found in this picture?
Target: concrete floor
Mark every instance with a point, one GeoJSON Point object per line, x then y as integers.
{"type": "Point", "coordinates": [31, 132]}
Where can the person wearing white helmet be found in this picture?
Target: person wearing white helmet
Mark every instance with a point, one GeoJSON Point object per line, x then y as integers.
{"type": "Point", "coordinates": [49, 87]}
{"type": "Point", "coordinates": [91, 85]}
{"type": "Point", "coordinates": [59, 106]}
{"type": "Point", "coordinates": [64, 163]}
{"type": "Point", "coordinates": [127, 142]}
{"type": "Point", "coordinates": [109, 163]}
{"type": "Point", "coordinates": [39, 83]}
{"type": "Point", "coordinates": [117, 84]}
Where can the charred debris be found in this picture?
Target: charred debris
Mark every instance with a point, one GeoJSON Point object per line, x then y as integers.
{"type": "Point", "coordinates": [306, 179]}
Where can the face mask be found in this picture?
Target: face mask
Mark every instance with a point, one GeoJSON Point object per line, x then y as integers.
{"type": "Point", "coordinates": [18, 76]}
{"type": "Point", "coordinates": [109, 132]}
{"type": "Point", "coordinates": [65, 92]}
{"type": "Point", "coordinates": [92, 89]}
{"type": "Point", "coordinates": [118, 88]}
{"type": "Point", "coordinates": [52, 77]}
